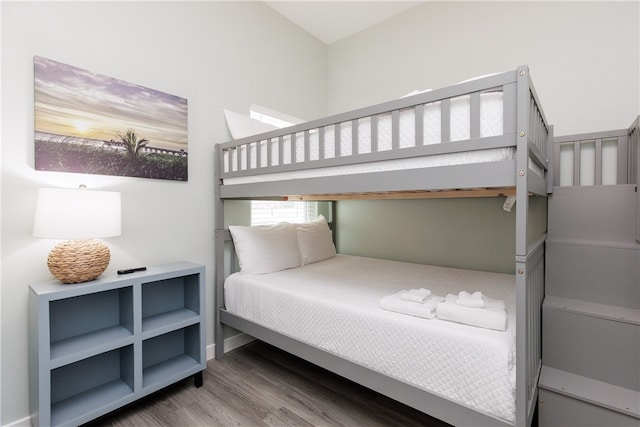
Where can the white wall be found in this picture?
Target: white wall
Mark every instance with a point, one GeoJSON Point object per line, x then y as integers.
{"type": "Point", "coordinates": [584, 58]}
{"type": "Point", "coordinates": [215, 54]}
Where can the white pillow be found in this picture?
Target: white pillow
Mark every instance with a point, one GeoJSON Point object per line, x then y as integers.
{"type": "Point", "coordinates": [265, 248]}
{"type": "Point", "coordinates": [241, 126]}
{"type": "Point", "coordinates": [315, 241]}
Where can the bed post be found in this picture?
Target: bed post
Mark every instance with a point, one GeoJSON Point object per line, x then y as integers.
{"type": "Point", "coordinates": [529, 260]}
{"type": "Point", "coordinates": [522, 208]}
{"type": "Point", "coordinates": [218, 302]}
{"type": "Point", "coordinates": [522, 159]}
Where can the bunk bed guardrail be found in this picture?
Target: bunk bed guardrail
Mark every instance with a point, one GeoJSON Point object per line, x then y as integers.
{"type": "Point", "coordinates": [334, 140]}
{"type": "Point", "coordinates": [599, 158]}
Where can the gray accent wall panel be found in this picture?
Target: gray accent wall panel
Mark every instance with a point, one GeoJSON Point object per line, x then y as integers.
{"type": "Point", "coordinates": [449, 232]}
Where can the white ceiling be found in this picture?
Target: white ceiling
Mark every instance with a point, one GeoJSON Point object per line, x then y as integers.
{"type": "Point", "coordinates": [331, 20]}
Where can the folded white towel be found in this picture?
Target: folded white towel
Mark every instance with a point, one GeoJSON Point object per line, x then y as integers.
{"type": "Point", "coordinates": [426, 310]}
{"type": "Point", "coordinates": [493, 316]}
{"type": "Point", "coordinates": [475, 300]}
{"type": "Point", "coordinates": [416, 295]}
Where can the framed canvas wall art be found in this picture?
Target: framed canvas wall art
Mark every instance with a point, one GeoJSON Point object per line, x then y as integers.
{"type": "Point", "coordinates": [90, 123]}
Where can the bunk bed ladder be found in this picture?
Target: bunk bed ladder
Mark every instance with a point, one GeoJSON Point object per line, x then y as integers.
{"type": "Point", "coordinates": [591, 310]}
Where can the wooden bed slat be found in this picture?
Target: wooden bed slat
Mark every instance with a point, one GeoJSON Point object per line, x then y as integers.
{"type": "Point", "coordinates": [426, 194]}
{"type": "Point", "coordinates": [374, 134]}
{"type": "Point", "coordinates": [419, 122]}
{"type": "Point", "coordinates": [337, 139]}
{"type": "Point", "coordinates": [445, 117]}
{"type": "Point", "coordinates": [474, 105]}
{"type": "Point", "coordinates": [321, 143]}
{"type": "Point", "coordinates": [307, 146]}
{"type": "Point", "coordinates": [395, 130]}
{"type": "Point", "coordinates": [354, 136]}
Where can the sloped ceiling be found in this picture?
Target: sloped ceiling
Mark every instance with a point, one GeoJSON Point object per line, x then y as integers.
{"type": "Point", "coordinates": [331, 21]}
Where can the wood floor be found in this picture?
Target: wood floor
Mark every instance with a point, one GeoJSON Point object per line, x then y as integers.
{"type": "Point", "coordinates": [259, 385]}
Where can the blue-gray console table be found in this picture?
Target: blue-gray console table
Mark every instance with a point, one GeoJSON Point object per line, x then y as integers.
{"type": "Point", "coordinates": [97, 346]}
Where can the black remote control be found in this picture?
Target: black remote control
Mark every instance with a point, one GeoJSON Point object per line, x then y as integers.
{"type": "Point", "coordinates": [131, 270]}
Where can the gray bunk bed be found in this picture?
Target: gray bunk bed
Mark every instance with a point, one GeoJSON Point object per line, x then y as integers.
{"type": "Point", "coordinates": [326, 159]}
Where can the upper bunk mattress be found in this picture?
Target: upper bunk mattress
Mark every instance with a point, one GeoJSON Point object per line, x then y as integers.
{"type": "Point", "coordinates": [339, 143]}
{"type": "Point", "coordinates": [334, 305]}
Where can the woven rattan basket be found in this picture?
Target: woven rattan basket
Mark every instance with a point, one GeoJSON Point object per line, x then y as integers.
{"type": "Point", "coordinates": [77, 261]}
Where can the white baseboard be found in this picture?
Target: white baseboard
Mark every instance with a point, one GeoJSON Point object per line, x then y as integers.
{"type": "Point", "coordinates": [24, 422]}
{"type": "Point", "coordinates": [230, 343]}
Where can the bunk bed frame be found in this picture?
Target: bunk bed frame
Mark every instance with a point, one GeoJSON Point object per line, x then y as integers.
{"type": "Point", "coordinates": [527, 175]}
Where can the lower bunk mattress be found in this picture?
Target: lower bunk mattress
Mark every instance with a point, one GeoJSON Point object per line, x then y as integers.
{"type": "Point", "coordinates": [334, 305]}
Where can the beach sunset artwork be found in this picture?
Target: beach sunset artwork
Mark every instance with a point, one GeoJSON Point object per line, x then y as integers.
{"type": "Point", "coordinates": [90, 123]}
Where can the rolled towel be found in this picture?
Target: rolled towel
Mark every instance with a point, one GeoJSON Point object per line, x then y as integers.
{"type": "Point", "coordinates": [475, 300]}
{"type": "Point", "coordinates": [416, 295]}
{"type": "Point", "coordinates": [493, 316]}
{"type": "Point", "coordinates": [394, 303]}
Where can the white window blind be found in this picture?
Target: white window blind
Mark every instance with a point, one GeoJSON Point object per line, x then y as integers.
{"type": "Point", "coordinates": [272, 212]}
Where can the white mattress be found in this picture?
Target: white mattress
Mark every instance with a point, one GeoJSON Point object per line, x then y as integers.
{"type": "Point", "coordinates": [491, 124]}
{"type": "Point", "coordinates": [333, 305]}
{"type": "Point", "coordinates": [463, 158]}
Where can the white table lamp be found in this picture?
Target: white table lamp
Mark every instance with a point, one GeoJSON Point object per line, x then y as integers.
{"type": "Point", "coordinates": [82, 216]}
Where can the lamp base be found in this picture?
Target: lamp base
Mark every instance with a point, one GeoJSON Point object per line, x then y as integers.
{"type": "Point", "coordinates": [77, 261]}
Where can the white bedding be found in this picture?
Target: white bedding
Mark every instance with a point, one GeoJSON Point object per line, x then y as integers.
{"type": "Point", "coordinates": [491, 124]}
{"type": "Point", "coordinates": [333, 305]}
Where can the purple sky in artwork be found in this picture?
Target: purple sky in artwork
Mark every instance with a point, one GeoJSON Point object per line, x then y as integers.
{"type": "Point", "coordinates": [76, 102]}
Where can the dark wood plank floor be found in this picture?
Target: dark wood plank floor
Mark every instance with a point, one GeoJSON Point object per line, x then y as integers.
{"type": "Point", "coordinates": [259, 385]}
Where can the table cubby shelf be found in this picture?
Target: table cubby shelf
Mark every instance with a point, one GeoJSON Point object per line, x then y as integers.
{"type": "Point", "coordinates": [165, 371]}
{"type": "Point", "coordinates": [181, 317]}
{"type": "Point", "coordinates": [92, 400]}
{"type": "Point", "coordinates": [94, 342]}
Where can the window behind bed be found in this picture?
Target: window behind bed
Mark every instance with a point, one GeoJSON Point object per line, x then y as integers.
{"type": "Point", "coordinates": [272, 212]}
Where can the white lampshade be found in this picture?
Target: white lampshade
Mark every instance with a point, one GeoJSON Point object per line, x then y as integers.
{"type": "Point", "coordinates": [63, 213]}
{"type": "Point", "coordinates": [81, 216]}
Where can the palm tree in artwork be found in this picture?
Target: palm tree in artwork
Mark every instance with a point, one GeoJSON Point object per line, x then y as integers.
{"type": "Point", "coordinates": [132, 142]}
